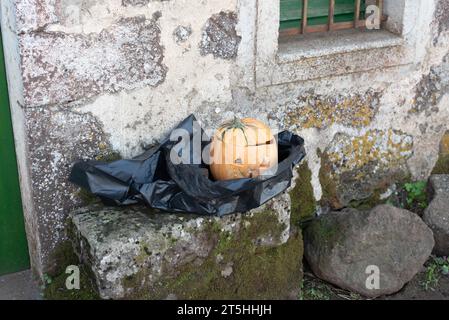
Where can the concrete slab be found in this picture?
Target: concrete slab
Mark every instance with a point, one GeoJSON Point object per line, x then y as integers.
{"type": "Point", "coordinates": [19, 286]}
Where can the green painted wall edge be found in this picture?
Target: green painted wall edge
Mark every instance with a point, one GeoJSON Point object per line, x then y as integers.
{"type": "Point", "coordinates": [13, 245]}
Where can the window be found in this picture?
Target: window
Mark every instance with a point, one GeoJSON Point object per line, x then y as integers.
{"type": "Point", "coordinates": [306, 16]}
{"type": "Point", "coordinates": [310, 56]}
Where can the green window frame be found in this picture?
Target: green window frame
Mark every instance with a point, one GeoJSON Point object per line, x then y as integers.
{"type": "Point", "coordinates": [321, 15]}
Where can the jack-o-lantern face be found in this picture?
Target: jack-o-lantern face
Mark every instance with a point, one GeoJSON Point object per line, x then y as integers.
{"type": "Point", "coordinates": [243, 148]}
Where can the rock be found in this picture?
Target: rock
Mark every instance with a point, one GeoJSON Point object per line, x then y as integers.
{"type": "Point", "coordinates": [437, 218]}
{"type": "Point", "coordinates": [358, 169]}
{"type": "Point", "coordinates": [347, 248]}
{"type": "Point", "coordinates": [439, 184]}
{"type": "Point", "coordinates": [437, 213]}
{"type": "Point", "coordinates": [137, 253]}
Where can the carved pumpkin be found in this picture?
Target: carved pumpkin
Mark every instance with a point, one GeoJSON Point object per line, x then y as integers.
{"type": "Point", "coordinates": [242, 148]}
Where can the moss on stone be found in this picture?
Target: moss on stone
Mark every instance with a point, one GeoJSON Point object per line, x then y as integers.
{"type": "Point", "coordinates": [237, 268]}
{"type": "Point", "coordinates": [54, 286]}
{"type": "Point", "coordinates": [324, 231]}
{"type": "Point", "coordinates": [329, 196]}
{"type": "Point", "coordinates": [56, 289]}
{"type": "Point", "coordinates": [368, 203]}
{"type": "Point", "coordinates": [303, 204]}
{"type": "Point", "coordinates": [442, 165]}
{"type": "Point", "coordinates": [144, 253]}
{"type": "Point", "coordinates": [63, 255]}
{"type": "Point", "coordinates": [108, 156]}
{"type": "Point", "coordinates": [261, 224]}
{"type": "Point", "coordinates": [86, 197]}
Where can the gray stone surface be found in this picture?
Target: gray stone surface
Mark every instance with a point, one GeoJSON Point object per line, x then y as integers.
{"type": "Point", "coordinates": [220, 36]}
{"type": "Point", "coordinates": [137, 253]}
{"type": "Point", "coordinates": [182, 33]}
{"type": "Point", "coordinates": [340, 246]}
{"type": "Point", "coordinates": [442, 17]}
{"type": "Point", "coordinates": [58, 138]}
{"type": "Point", "coordinates": [439, 184]}
{"type": "Point", "coordinates": [19, 286]}
{"type": "Point", "coordinates": [35, 14]}
{"type": "Point", "coordinates": [329, 43]}
{"type": "Point", "coordinates": [59, 67]}
{"type": "Point", "coordinates": [437, 218]}
{"type": "Point", "coordinates": [431, 89]}
{"type": "Point", "coordinates": [437, 213]}
{"type": "Point", "coordinates": [355, 168]}
{"type": "Point", "coordinates": [138, 3]}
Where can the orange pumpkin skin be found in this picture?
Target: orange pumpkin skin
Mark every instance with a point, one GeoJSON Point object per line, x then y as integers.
{"type": "Point", "coordinates": [243, 148]}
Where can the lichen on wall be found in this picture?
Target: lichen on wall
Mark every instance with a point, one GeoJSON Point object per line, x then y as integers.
{"type": "Point", "coordinates": [354, 168]}
{"type": "Point", "coordinates": [384, 147]}
{"type": "Point", "coordinates": [318, 111]}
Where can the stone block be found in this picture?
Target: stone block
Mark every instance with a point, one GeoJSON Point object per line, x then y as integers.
{"type": "Point", "coordinates": [137, 253]}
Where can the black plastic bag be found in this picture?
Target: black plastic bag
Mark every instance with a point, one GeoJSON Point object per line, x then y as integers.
{"type": "Point", "coordinates": [152, 178]}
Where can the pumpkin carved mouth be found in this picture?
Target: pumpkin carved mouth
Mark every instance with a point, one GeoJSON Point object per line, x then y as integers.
{"type": "Point", "coordinates": [262, 144]}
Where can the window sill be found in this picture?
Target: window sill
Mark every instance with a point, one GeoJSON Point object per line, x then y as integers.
{"type": "Point", "coordinates": [296, 48]}
{"type": "Point", "coordinates": [316, 56]}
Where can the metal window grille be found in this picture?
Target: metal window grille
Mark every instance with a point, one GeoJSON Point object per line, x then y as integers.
{"type": "Point", "coordinates": [296, 14]}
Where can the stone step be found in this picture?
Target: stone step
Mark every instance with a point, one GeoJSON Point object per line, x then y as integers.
{"type": "Point", "coordinates": [138, 253]}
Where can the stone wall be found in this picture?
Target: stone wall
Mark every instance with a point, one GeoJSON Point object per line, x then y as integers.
{"type": "Point", "coordinates": [114, 76]}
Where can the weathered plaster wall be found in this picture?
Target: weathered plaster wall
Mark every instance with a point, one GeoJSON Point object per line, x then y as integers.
{"type": "Point", "coordinates": [304, 106]}
{"type": "Point", "coordinates": [99, 76]}
{"type": "Point", "coordinates": [117, 75]}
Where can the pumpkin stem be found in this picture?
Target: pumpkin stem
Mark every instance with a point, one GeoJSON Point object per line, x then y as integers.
{"type": "Point", "coordinates": [236, 123]}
